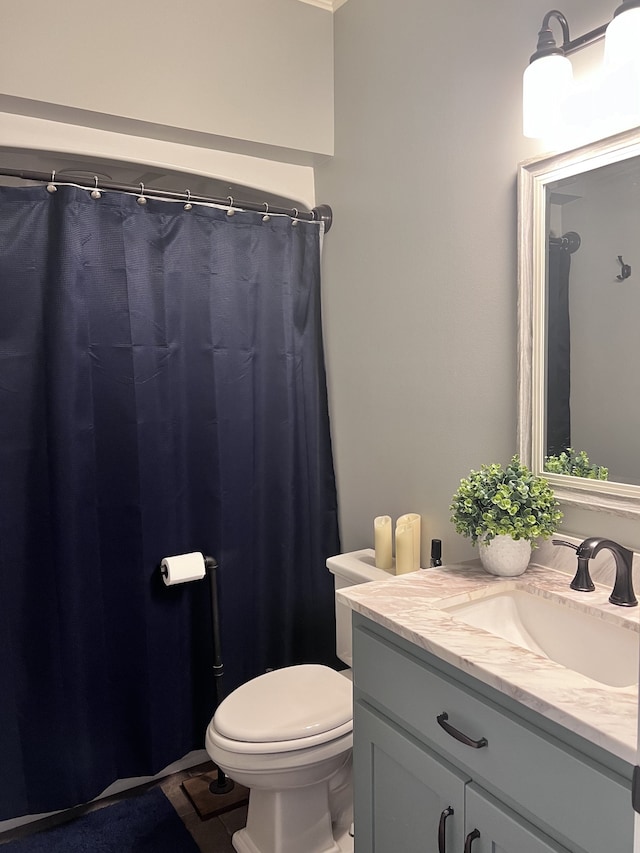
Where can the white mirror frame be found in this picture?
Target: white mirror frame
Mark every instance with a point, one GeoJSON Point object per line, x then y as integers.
{"type": "Point", "coordinates": [533, 178]}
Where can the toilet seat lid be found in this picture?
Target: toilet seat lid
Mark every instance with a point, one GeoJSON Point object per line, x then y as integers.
{"type": "Point", "coordinates": [286, 704]}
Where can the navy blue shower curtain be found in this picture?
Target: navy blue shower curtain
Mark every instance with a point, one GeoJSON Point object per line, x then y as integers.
{"type": "Point", "coordinates": [162, 390]}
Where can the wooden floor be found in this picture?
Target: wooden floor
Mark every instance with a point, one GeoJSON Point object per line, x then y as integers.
{"type": "Point", "coordinates": [212, 835]}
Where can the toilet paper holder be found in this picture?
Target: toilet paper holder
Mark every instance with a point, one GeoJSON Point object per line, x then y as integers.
{"type": "Point", "coordinates": [222, 784]}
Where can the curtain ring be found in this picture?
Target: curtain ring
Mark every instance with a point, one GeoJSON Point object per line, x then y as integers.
{"type": "Point", "coordinates": [266, 216]}
{"type": "Point", "coordinates": [51, 187]}
{"type": "Point", "coordinates": [231, 211]}
{"type": "Point", "coordinates": [313, 214]}
{"type": "Point", "coordinates": [188, 205]}
{"type": "Point", "coordinates": [294, 221]}
{"type": "Point", "coordinates": [141, 199]}
{"type": "Point", "coordinates": [95, 192]}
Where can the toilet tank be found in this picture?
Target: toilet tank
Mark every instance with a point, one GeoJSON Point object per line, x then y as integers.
{"type": "Point", "coordinates": [348, 570]}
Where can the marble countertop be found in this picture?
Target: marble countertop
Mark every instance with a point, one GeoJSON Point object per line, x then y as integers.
{"type": "Point", "coordinates": [409, 606]}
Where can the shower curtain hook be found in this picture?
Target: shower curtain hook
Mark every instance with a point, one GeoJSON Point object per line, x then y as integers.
{"type": "Point", "coordinates": [95, 192]}
{"type": "Point", "coordinates": [294, 221]}
{"type": "Point", "coordinates": [51, 187]}
{"type": "Point", "coordinates": [188, 205]}
{"type": "Point", "coordinates": [231, 211]}
{"type": "Point", "coordinates": [266, 216]}
{"type": "Point", "coordinates": [141, 199]}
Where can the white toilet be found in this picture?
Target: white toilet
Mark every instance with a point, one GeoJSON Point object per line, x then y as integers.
{"type": "Point", "coordinates": [287, 736]}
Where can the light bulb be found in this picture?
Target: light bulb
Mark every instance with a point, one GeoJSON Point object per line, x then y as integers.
{"type": "Point", "coordinates": [545, 85]}
{"type": "Point", "coordinates": [622, 39]}
{"type": "Point", "coordinates": [622, 67]}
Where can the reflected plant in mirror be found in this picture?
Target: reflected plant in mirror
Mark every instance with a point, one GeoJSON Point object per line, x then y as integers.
{"type": "Point", "coordinates": [579, 306]}
{"type": "Point", "coordinates": [575, 464]}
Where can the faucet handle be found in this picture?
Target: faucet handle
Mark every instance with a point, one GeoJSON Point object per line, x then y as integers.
{"type": "Point", "coordinates": [582, 581]}
{"type": "Point", "coordinates": [566, 544]}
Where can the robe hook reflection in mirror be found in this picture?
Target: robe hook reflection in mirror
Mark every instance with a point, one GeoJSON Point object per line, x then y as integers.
{"type": "Point", "coordinates": [625, 271]}
{"type": "Point", "coordinates": [548, 79]}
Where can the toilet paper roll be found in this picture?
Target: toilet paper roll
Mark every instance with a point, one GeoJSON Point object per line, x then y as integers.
{"type": "Point", "coordinates": [182, 568]}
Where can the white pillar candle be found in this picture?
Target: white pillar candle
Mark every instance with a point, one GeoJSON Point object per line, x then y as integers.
{"type": "Point", "coordinates": [413, 519]}
{"type": "Point", "coordinates": [382, 541]}
{"type": "Point", "coordinates": [405, 545]}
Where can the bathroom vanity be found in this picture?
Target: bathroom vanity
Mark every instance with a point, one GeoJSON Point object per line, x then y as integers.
{"type": "Point", "coordinates": [466, 742]}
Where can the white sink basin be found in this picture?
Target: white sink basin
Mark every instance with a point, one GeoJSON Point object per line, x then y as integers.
{"type": "Point", "coordinates": [578, 639]}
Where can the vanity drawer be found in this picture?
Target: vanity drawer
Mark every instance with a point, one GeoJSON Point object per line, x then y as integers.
{"type": "Point", "coordinates": [545, 780]}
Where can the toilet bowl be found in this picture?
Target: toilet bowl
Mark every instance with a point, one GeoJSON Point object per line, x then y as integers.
{"type": "Point", "coordinates": [284, 735]}
{"type": "Point", "coordinates": [287, 735]}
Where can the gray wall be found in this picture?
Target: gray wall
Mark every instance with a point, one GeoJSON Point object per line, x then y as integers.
{"type": "Point", "coordinates": [420, 267]}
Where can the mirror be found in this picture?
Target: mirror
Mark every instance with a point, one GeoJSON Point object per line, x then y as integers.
{"type": "Point", "coordinates": [579, 322]}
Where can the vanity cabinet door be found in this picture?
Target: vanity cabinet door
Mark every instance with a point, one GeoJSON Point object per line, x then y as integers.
{"type": "Point", "coordinates": [405, 797]}
{"type": "Point", "coordinates": [491, 827]}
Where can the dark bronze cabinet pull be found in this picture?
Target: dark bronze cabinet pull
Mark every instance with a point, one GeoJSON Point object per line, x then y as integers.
{"type": "Point", "coordinates": [442, 841]}
{"type": "Point", "coordinates": [458, 735]}
{"type": "Point", "coordinates": [470, 839]}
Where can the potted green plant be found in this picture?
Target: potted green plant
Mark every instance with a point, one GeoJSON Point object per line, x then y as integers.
{"type": "Point", "coordinates": [506, 510]}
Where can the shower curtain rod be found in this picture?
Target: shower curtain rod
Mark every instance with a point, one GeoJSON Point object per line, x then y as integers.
{"type": "Point", "coordinates": [320, 213]}
{"type": "Point", "coordinates": [569, 241]}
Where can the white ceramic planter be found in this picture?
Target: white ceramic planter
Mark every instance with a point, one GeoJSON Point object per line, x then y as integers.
{"type": "Point", "coordinates": [505, 556]}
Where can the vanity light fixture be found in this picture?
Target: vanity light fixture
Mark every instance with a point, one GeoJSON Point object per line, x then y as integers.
{"type": "Point", "coordinates": [548, 79]}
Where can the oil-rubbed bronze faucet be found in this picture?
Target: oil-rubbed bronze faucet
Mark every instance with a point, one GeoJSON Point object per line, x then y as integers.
{"type": "Point", "coordinates": [623, 588]}
{"type": "Point", "coordinates": [582, 580]}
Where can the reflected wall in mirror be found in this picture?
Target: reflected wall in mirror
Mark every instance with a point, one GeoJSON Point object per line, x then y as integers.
{"type": "Point", "coordinates": [579, 322]}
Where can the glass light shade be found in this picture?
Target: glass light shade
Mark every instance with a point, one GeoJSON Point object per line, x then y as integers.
{"type": "Point", "coordinates": [622, 67]}
{"type": "Point", "coordinates": [622, 40]}
{"type": "Point", "coordinates": [545, 85]}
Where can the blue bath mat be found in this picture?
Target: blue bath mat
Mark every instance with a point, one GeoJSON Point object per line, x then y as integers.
{"type": "Point", "coordinates": [147, 823]}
